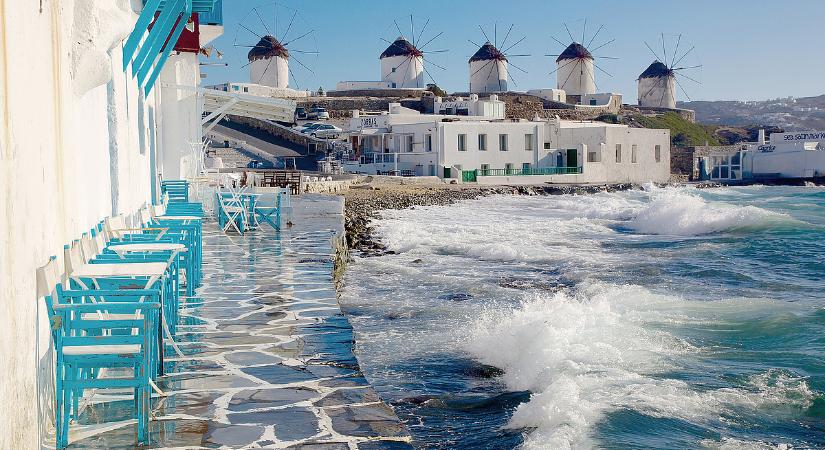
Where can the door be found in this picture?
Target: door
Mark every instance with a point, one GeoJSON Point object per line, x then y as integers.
{"type": "Point", "coordinates": [572, 158]}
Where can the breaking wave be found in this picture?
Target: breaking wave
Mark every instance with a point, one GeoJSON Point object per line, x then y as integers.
{"type": "Point", "coordinates": [585, 354]}
{"type": "Point", "coordinates": [677, 212]}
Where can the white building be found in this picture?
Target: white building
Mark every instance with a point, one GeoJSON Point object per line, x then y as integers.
{"type": "Point", "coordinates": [575, 71]}
{"type": "Point", "coordinates": [553, 95]}
{"type": "Point", "coordinates": [657, 86]}
{"type": "Point", "coordinates": [80, 139]}
{"type": "Point", "coordinates": [496, 151]}
{"type": "Point", "coordinates": [490, 107]}
{"type": "Point", "coordinates": [785, 156]}
{"type": "Point", "coordinates": [269, 63]}
{"type": "Point", "coordinates": [488, 70]}
{"type": "Point", "coordinates": [260, 90]}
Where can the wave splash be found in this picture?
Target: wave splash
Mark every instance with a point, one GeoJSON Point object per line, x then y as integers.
{"type": "Point", "coordinates": [675, 211]}
{"type": "Point", "coordinates": [586, 354]}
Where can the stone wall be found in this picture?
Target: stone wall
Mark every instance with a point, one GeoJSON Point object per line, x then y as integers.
{"type": "Point", "coordinates": [340, 108]}
{"type": "Point", "coordinates": [389, 93]}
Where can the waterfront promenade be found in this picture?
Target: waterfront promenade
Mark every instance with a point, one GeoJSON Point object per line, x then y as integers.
{"type": "Point", "coordinates": [268, 359]}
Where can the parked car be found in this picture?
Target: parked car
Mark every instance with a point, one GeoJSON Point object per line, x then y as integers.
{"type": "Point", "coordinates": [300, 113]}
{"type": "Point", "coordinates": [318, 113]}
{"type": "Point", "coordinates": [310, 127]}
{"type": "Point", "coordinates": [326, 131]}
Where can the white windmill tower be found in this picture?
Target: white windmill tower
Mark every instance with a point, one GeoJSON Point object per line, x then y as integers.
{"type": "Point", "coordinates": [576, 65]}
{"type": "Point", "coordinates": [490, 67]}
{"type": "Point", "coordinates": [402, 62]}
{"type": "Point", "coordinates": [657, 84]}
{"type": "Point", "coordinates": [269, 58]}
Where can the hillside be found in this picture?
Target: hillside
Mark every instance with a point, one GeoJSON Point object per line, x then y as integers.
{"type": "Point", "coordinates": [792, 114]}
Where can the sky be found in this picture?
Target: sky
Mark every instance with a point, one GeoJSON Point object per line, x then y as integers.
{"type": "Point", "coordinates": [747, 49]}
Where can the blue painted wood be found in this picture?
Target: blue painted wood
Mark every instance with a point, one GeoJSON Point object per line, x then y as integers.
{"type": "Point", "coordinates": [141, 25]}
{"type": "Point", "coordinates": [150, 49]}
{"type": "Point", "coordinates": [170, 45]}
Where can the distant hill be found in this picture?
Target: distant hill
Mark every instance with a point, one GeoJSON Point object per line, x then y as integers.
{"type": "Point", "coordinates": [790, 114]}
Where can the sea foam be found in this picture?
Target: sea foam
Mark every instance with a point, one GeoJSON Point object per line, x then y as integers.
{"type": "Point", "coordinates": [599, 350]}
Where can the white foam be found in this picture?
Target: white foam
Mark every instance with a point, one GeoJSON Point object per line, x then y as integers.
{"type": "Point", "coordinates": [680, 212]}
{"type": "Point", "coordinates": [585, 355]}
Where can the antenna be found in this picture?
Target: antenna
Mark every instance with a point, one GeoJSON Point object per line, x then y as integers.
{"type": "Point", "coordinates": [490, 65]}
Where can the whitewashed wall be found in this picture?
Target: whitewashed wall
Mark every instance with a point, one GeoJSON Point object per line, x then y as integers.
{"type": "Point", "coordinates": [179, 114]}
{"type": "Point", "coordinates": [272, 72]}
{"type": "Point", "coordinates": [409, 72]}
{"type": "Point", "coordinates": [71, 150]}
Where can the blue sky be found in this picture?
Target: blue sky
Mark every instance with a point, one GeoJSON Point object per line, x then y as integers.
{"type": "Point", "coordinates": [749, 50]}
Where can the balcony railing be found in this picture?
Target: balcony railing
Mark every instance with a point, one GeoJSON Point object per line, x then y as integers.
{"type": "Point", "coordinates": [529, 171]}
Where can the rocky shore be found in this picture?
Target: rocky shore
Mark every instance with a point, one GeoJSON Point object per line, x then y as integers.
{"type": "Point", "coordinates": [365, 201]}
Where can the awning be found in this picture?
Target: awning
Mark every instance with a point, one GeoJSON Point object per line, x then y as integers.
{"type": "Point", "coordinates": [370, 131]}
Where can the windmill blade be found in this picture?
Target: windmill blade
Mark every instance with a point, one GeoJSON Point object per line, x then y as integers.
{"type": "Point", "coordinates": [592, 78]}
{"type": "Point", "coordinates": [482, 67]}
{"type": "Point", "coordinates": [578, 61]}
{"type": "Point", "coordinates": [498, 75]}
{"type": "Point", "coordinates": [662, 100]}
{"type": "Point", "coordinates": [584, 29]}
{"type": "Point", "coordinates": [468, 40]}
{"type": "Point", "coordinates": [572, 39]}
{"type": "Point", "coordinates": [594, 36]}
{"type": "Point", "coordinates": [262, 21]}
{"type": "Point", "coordinates": [430, 62]}
{"type": "Point", "coordinates": [676, 51]}
{"type": "Point", "coordinates": [651, 51]}
{"type": "Point", "coordinates": [560, 42]}
{"type": "Point", "coordinates": [394, 69]}
{"type": "Point", "coordinates": [507, 35]}
{"type": "Point", "coordinates": [517, 67]}
{"type": "Point", "coordinates": [495, 34]}
{"type": "Point", "coordinates": [510, 76]}
{"type": "Point", "coordinates": [431, 39]}
{"type": "Point", "coordinates": [435, 51]}
{"type": "Point", "coordinates": [689, 78]}
{"type": "Point", "coordinates": [513, 45]}
{"type": "Point", "coordinates": [308, 52]}
{"type": "Point", "coordinates": [518, 56]}
{"type": "Point", "coordinates": [291, 21]}
{"type": "Point", "coordinates": [294, 78]}
{"type": "Point", "coordinates": [429, 75]}
{"type": "Point", "coordinates": [569, 61]}
{"type": "Point", "coordinates": [247, 29]}
{"type": "Point", "coordinates": [489, 74]}
{"type": "Point", "coordinates": [485, 34]}
{"type": "Point", "coordinates": [265, 70]}
{"type": "Point", "coordinates": [605, 72]}
{"type": "Point", "coordinates": [654, 86]}
{"type": "Point", "coordinates": [412, 30]}
{"type": "Point", "coordinates": [303, 65]}
{"type": "Point", "coordinates": [683, 56]}
{"type": "Point", "coordinates": [299, 37]}
{"type": "Point", "coordinates": [606, 43]}
{"type": "Point", "coordinates": [422, 30]}
{"type": "Point", "coordinates": [400, 33]}
{"type": "Point", "coordinates": [664, 50]}
{"type": "Point", "coordinates": [686, 68]}
{"type": "Point", "coordinates": [605, 57]}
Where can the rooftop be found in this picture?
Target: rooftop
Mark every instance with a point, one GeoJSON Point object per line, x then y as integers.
{"type": "Point", "coordinates": [575, 51]}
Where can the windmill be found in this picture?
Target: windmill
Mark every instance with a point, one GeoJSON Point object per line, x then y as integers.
{"type": "Point", "coordinates": [402, 63]}
{"type": "Point", "coordinates": [268, 58]}
{"type": "Point", "coordinates": [576, 64]}
{"type": "Point", "coordinates": [490, 66]}
{"type": "Point", "coordinates": [657, 84]}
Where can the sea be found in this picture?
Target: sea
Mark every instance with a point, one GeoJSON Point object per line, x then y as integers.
{"type": "Point", "coordinates": [662, 318]}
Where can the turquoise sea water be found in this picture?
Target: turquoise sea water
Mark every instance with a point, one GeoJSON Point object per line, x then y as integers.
{"type": "Point", "coordinates": [665, 318]}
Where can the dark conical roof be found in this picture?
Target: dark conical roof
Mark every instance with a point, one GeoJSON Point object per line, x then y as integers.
{"type": "Point", "coordinates": [575, 51]}
{"type": "Point", "coordinates": [401, 47]}
{"type": "Point", "coordinates": [268, 47]}
{"type": "Point", "coordinates": [656, 70]}
{"type": "Point", "coordinates": [488, 52]}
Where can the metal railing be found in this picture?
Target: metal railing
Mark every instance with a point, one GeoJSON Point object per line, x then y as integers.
{"type": "Point", "coordinates": [529, 171]}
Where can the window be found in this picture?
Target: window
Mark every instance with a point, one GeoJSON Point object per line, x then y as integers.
{"type": "Point", "coordinates": [393, 69]}
{"type": "Point", "coordinates": [592, 102]}
{"type": "Point", "coordinates": [485, 169]}
{"type": "Point", "coordinates": [428, 143]}
{"type": "Point", "coordinates": [633, 154]}
{"type": "Point", "coordinates": [618, 153]}
{"type": "Point", "coordinates": [502, 142]}
{"type": "Point", "coordinates": [528, 142]}
{"type": "Point", "coordinates": [508, 169]}
{"type": "Point", "coordinates": [482, 142]}
{"type": "Point", "coordinates": [462, 142]}
{"type": "Point", "coordinates": [236, 88]}
{"type": "Point", "coordinates": [658, 153]}
{"type": "Point", "coordinates": [592, 157]}
{"type": "Point", "coordinates": [409, 142]}
{"type": "Point", "coordinates": [525, 168]}
{"type": "Point", "coordinates": [246, 89]}
{"type": "Point", "coordinates": [548, 145]}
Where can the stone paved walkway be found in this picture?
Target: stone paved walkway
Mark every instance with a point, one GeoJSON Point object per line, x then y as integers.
{"type": "Point", "coordinates": [268, 354]}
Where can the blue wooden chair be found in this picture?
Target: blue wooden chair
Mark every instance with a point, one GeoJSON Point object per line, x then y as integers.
{"type": "Point", "coordinates": [268, 208]}
{"type": "Point", "coordinates": [106, 333]}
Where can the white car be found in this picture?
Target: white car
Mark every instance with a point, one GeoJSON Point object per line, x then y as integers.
{"type": "Point", "coordinates": [318, 113]}
{"type": "Point", "coordinates": [326, 131]}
